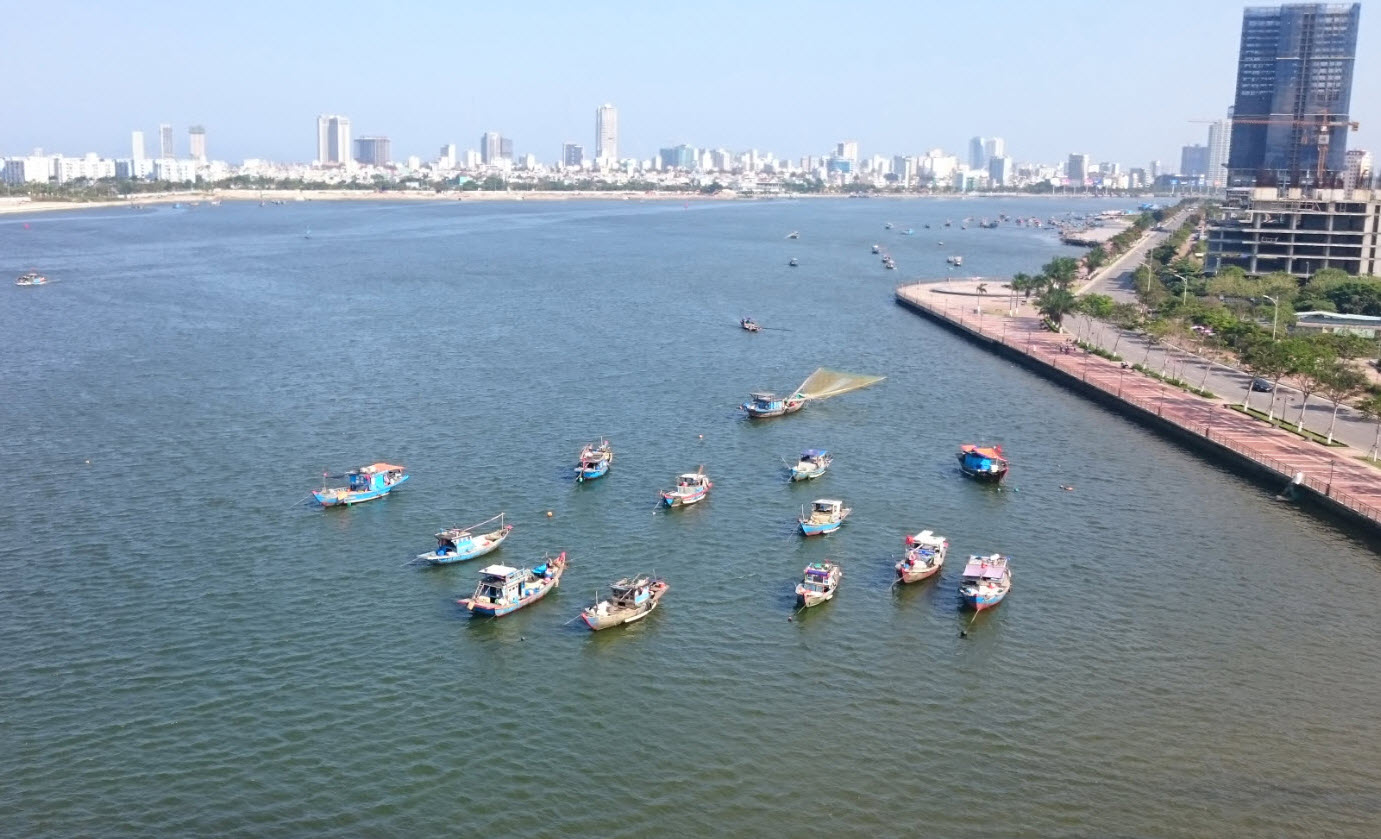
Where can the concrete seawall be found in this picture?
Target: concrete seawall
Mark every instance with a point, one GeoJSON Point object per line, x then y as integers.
{"type": "Point", "coordinates": [1335, 483]}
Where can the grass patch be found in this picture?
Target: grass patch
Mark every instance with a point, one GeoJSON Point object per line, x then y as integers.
{"type": "Point", "coordinates": [1312, 436]}
{"type": "Point", "coordinates": [1098, 351]}
{"type": "Point", "coordinates": [1368, 461]}
{"type": "Point", "coordinates": [1179, 383]}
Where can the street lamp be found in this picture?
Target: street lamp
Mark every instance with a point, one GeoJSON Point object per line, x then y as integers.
{"type": "Point", "coordinates": [1275, 318]}
{"type": "Point", "coordinates": [1184, 294]}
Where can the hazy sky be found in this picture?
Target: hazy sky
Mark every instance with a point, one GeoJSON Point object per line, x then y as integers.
{"type": "Point", "coordinates": [1118, 79]}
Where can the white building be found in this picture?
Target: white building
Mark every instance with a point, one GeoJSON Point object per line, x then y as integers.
{"type": "Point", "coordinates": [1219, 138]}
{"type": "Point", "coordinates": [847, 150]}
{"type": "Point", "coordinates": [136, 145]}
{"type": "Point", "coordinates": [33, 169]}
{"type": "Point", "coordinates": [1358, 171]}
{"type": "Point", "coordinates": [1000, 171]}
{"type": "Point", "coordinates": [994, 147]}
{"type": "Point", "coordinates": [134, 169]}
{"type": "Point", "coordinates": [607, 134]}
{"type": "Point", "coordinates": [177, 171]}
{"type": "Point", "coordinates": [447, 158]}
{"type": "Point", "coordinates": [90, 166]}
{"type": "Point", "coordinates": [332, 140]}
{"type": "Point", "coordinates": [196, 143]}
{"type": "Point", "coordinates": [165, 141]}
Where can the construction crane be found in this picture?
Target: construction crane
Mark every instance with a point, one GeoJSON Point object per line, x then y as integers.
{"type": "Point", "coordinates": [1322, 122]}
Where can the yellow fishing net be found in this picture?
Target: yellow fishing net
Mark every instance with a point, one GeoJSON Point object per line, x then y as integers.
{"type": "Point", "coordinates": [824, 383]}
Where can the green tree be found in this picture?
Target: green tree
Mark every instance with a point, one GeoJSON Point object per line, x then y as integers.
{"type": "Point", "coordinates": [1055, 304]}
{"type": "Point", "coordinates": [1125, 316]}
{"type": "Point", "coordinates": [1312, 366]}
{"type": "Point", "coordinates": [1339, 383]}
{"type": "Point", "coordinates": [1370, 409]}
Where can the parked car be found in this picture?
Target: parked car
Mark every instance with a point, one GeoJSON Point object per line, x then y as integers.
{"type": "Point", "coordinates": [1262, 386]}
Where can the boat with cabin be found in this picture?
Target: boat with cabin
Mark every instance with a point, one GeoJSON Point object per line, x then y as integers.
{"type": "Point", "coordinates": [691, 488]}
{"type": "Point", "coordinates": [818, 583]}
{"type": "Point", "coordinates": [956, 261]}
{"type": "Point", "coordinates": [502, 589]}
{"type": "Point", "coordinates": [364, 484]}
{"type": "Point", "coordinates": [825, 516]}
{"type": "Point", "coordinates": [630, 600]}
{"type": "Point", "coordinates": [458, 544]}
{"type": "Point", "coordinates": [986, 581]}
{"type": "Point", "coordinates": [821, 384]}
{"type": "Point", "coordinates": [764, 404]}
{"type": "Point", "coordinates": [31, 278]}
{"type": "Point", "coordinates": [925, 553]}
{"type": "Point", "coordinates": [877, 249]}
{"type": "Point", "coordinates": [812, 464]}
{"type": "Point", "coordinates": [983, 463]}
{"type": "Point", "coordinates": [594, 462]}
{"type": "Point", "coordinates": [749, 324]}
{"type": "Point", "coordinates": [795, 234]}
{"type": "Point", "coordinates": [793, 263]}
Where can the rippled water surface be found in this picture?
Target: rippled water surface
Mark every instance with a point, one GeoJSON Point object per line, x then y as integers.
{"type": "Point", "coordinates": [187, 650]}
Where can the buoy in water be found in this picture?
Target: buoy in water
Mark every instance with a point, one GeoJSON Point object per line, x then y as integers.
{"type": "Point", "coordinates": [549, 514]}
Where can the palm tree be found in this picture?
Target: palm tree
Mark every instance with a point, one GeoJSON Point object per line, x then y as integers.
{"type": "Point", "coordinates": [1055, 304]}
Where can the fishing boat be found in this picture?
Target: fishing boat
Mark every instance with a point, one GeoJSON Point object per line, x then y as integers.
{"type": "Point", "coordinates": [986, 581]}
{"type": "Point", "coordinates": [955, 260]}
{"type": "Point", "coordinates": [764, 404]}
{"type": "Point", "coordinates": [908, 232]}
{"type": "Point", "coordinates": [876, 249]}
{"type": "Point", "coordinates": [364, 484]}
{"type": "Point", "coordinates": [821, 384]}
{"type": "Point", "coordinates": [925, 553]}
{"type": "Point", "coordinates": [457, 544]}
{"type": "Point", "coordinates": [793, 235]}
{"type": "Point", "coordinates": [889, 265]}
{"type": "Point", "coordinates": [31, 278]}
{"type": "Point", "coordinates": [983, 463]}
{"type": "Point", "coordinates": [818, 583]}
{"type": "Point", "coordinates": [825, 516]}
{"type": "Point", "coordinates": [812, 464]}
{"type": "Point", "coordinates": [594, 462]}
{"type": "Point", "coordinates": [749, 324]}
{"type": "Point", "coordinates": [502, 590]}
{"type": "Point", "coordinates": [888, 226]}
{"type": "Point", "coordinates": [793, 263]}
{"type": "Point", "coordinates": [630, 600]}
{"type": "Point", "coordinates": [691, 488]}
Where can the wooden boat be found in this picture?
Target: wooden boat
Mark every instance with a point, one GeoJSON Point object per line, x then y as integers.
{"type": "Point", "coordinates": [502, 590]}
{"type": "Point", "coordinates": [763, 404]}
{"type": "Point", "coordinates": [457, 544]}
{"type": "Point", "coordinates": [629, 600]}
{"type": "Point", "coordinates": [983, 463]}
{"type": "Point", "coordinates": [925, 553]}
{"type": "Point", "coordinates": [364, 484]}
{"type": "Point", "coordinates": [749, 324]}
{"type": "Point", "coordinates": [691, 488]}
{"type": "Point", "coordinates": [594, 462]}
{"type": "Point", "coordinates": [986, 581]}
{"type": "Point", "coordinates": [812, 464]}
{"type": "Point", "coordinates": [825, 516]}
{"type": "Point", "coordinates": [818, 583]}
{"type": "Point", "coordinates": [31, 278]}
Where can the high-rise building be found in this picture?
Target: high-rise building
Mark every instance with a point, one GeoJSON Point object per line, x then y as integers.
{"type": "Point", "coordinates": [1294, 87]}
{"type": "Point", "coordinates": [1154, 169]}
{"type": "Point", "coordinates": [1359, 169]}
{"type": "Point", "coordinates": [572, 155]}
{"type": "Point", "coordinates": [847, 150]}
{"type": "Point", "coordinates": [196, 143]}
{"type": "Point", "coordinates": [978, 155]}
{"type": "Point", "coordinates": [994, 147]}
{"type": "Point", "coordinates": [678, 157]}
{"type": "Point", "coordinates": [1194, 161]}
{"type": "Point", "coordinates": [372, 151]}
{"type": "Point", "coordinates": [1219, 134]}
{"type": "Point", "coordinates": [136, 145]}
{"type": "Point", "coordinates": [490, 147]}
{"type": "Point", "coordinates": [505, 148]}
{"type": "Point", "coordinates": [165, 142]}
{"type": "Point", "coordinates": [607, 133]}
{"type": "Point", "coordinates": [446, 158]}
{"type": "Point", "coordinates": [1077, 169]}
{"type": "Point", "coordinates": [332, 140]}
{"type": "Point", "coordinates": [1000, 170]}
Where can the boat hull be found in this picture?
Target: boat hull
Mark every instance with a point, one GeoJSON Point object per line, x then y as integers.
{"type": "Point", "coordinates": [345, 498]}
{"type": "Point", "coordinates": [674, 500]}
{"type": "Point", "coordinates": [914, 574]}
{"type": "Point", "coordinates": [978, 603]}
{"type": "Point", "coordinates": [497, 611]}
{"type": "Point", "coordinates": [808, 529]}
{"type": "Point", "coordinates": [984, 477]}
{"type": "Point", "coordinates": [479, 547]}
{"type": "Point", "coordinates": [806, 599]}
{"type": "Point", "coordinates": [759, 413]}
{"type": "Point", "coordinates": [619, 617]}
{"type": "Point", "coordinates": [582, 474]}
{"type": "Point", "coordinates": [799, 474]}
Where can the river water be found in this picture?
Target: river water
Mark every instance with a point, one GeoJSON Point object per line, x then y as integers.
{"type": "Point", "coordinates": [187, 650]}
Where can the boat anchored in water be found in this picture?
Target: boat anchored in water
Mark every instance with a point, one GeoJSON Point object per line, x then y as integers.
{"type": "Point", "coordinates": [629, 600]}
{"type": "Point", "coordinates": [457, 544]}
{"type": "Point", "coordinates": [825, 516]}
{"type": "Point", "coordinates": [364, 484]}
{"type": "Point", "coordinates": [795, 234]}
{"type": "Point", "coordinates": [749, 324]}
{"type": "Point", "coordinates": [818, 583]}
{"type": "Point", "coordinates": [502, 590]}
{"type": "Point", "coordinates": [812, 464]}
{"type": "Point", "coordinates": [983, 463]}
{"type": "Point", "coordinates": [594, 462]}
{"type": "Point", "coordinates": [987, 579]}
{"type": "Point", "coordinates": [31, 278]}
{"type": "Point", "coordinates": [956, 261]}
{"type": "Point", "coordinates": [691, 488]}
{"type": "Point", "coordinates": [821, 384]}
{"type": "Point", "coordinates": [925, 553]}
{"type": "Point", "coordinates": [793, 263]}
{"type": "Point", "coordinates": [877, 249]}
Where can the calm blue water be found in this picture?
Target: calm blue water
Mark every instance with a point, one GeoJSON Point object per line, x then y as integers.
{"type": "Point", "coordinates": [187, 650]}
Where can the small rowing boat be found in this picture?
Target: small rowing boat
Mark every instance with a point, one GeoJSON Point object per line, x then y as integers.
{"type": "Point", "coordinates": [986, 581]}
{"type": "Point", "coordinates": [502, 590]}
{"type": "Point", "coordinates": [818, 583]}
{"type": "Point", "coordinates": [457, 544]}
{"type": "Point", "coordinates": [925, 553]}
{"type": "Point", "coordinates": [825, 516]}
{"type": "Point", "coordinates": [983, 463]}
{"type": "Point", "coordinates": [691, 488]}
{"type": "Point", "coordinates": [594, 462]}
{"type": "Point", "coordinates": [364, 484]}
{"type": "Point", "coordinates": [629, 600]}
{"type": "Point", "coordinates": [812, 464]}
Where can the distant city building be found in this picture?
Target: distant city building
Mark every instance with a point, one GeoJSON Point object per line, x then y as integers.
{"type": "Point", "coordinates": [1267, 229]}
{"type": "Point", "coordinates": [1194, 161]}
{"type": "Point", "coordinates": [332, 140]}
{"type": "Point", "coordinates": [847, 150]}
{"type": "Point", "coordinates": [1294, 88]}
{"type": "Point", "coordinates": [978, 154]}
{"type": "Point", "coordinates": [372, 151]}
{"type": "Point", "coordinates": [505, 148]}
{"type": "Point", "coordinates": [572, 155]}
{"type": "Point", "coordinates": [136, 145]}
{"type": "Point", "coordinates": [677, 157]}
{"type": "Point", "coordinates": [1155, 169]}
{"type": "Point", "coordinates": [1359, 169]}
{"type": "Point", "coordinates": [473, 159]}
{"type": "Point", "coordinates": [490, 147]}
{"type": "Point", "coordinates": [1077, 170]}
{"type": "Point", "coordinates": [196, 143]}
{"type": "Point", "coordinates": [994, 147]}
{"type": "Point", "coordinates": [447, 157]}
{"type": "Point", "coordinates": [607, 133]}
{"type": "Point", "coordinates": [165, 142]}
{"type": "Point", "coordinates": [1000, 170]}
{"type": "Point", "coordinates": [904, 168]}
{"type": "Point", "coordinates": [175, 171]}
{"type": "Point", "coordinates": [1219, 137]}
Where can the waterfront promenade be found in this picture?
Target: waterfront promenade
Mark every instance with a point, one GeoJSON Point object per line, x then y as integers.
{"type": "Point", "coordinates": [1335, 477]}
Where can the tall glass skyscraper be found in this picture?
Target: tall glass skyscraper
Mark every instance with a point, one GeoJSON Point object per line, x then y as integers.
{"type": "Point", "coordinates": [1294, 82]}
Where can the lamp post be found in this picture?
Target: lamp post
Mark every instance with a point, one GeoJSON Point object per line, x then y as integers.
{"type": "Point", "coordinates": [1184, 292]}
{"type": "Point", "coordinates": [1275, 318]}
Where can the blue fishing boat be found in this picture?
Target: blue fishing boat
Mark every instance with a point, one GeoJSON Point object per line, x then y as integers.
{"type": "Point", "coordinates": [763, 404]}
{"type": "Point", "coordinates": [818, 583]}
{"type": "Point", "coordinates": [987, 579]}
{"type": "Point", "coordinates": [825, 516]}
{"type": "Point", "coordinates": [594, 462]}
{"type": "Point", "coordinates": [502, 590]}
{"type": "Point", "coordinates": [30, 279]}
{"type": "Point", "coordinates": [457, 544]}
{"type": "Point", "coordinates": [812, 464]}
{"type": "Point", "coordinates": [691, 488]}
{"type": "Point", "coordinates": [983, 463]}
{"type": "Point", "coordinates": [364, 484]}
{"type": "Point", "coordinates": [908, 232]}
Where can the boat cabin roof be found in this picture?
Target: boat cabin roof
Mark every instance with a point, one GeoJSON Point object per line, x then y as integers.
{"type": "Point", "coordinates": [814, 453]}
{"type": "Point", "coordinates": [692, 477]}
{"type": "Point", "coordinates": [928, 539]}
{"type": "Point", "coordinates": [764, 396]}
{"type": "Point", "coordinates": [986, 567]}
{"type": "Point", "coordinates": [984, 451]}
{"type": "Point", "coordinates": [501, 573]}
{"type": "Point", "coordinates": [381, 467]}
{"type": "Point", "coordinates": [820, 570]}
{"type": "Point", "coordinates": [827, 504]}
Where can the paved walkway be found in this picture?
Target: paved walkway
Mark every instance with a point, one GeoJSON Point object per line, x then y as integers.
{"type": "Point", "coordinates": [1333, 472]}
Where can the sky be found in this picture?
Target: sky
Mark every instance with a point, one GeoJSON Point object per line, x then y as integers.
{"type": "Point", "coordinates": [1121, 80]}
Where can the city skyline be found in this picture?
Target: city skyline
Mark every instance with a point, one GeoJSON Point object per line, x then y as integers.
{"type": "Point", "coordinates": [1044, 102]}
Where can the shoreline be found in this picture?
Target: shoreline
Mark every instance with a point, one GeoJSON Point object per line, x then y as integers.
{"type": "Point", "coordinates": [21, 205]}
